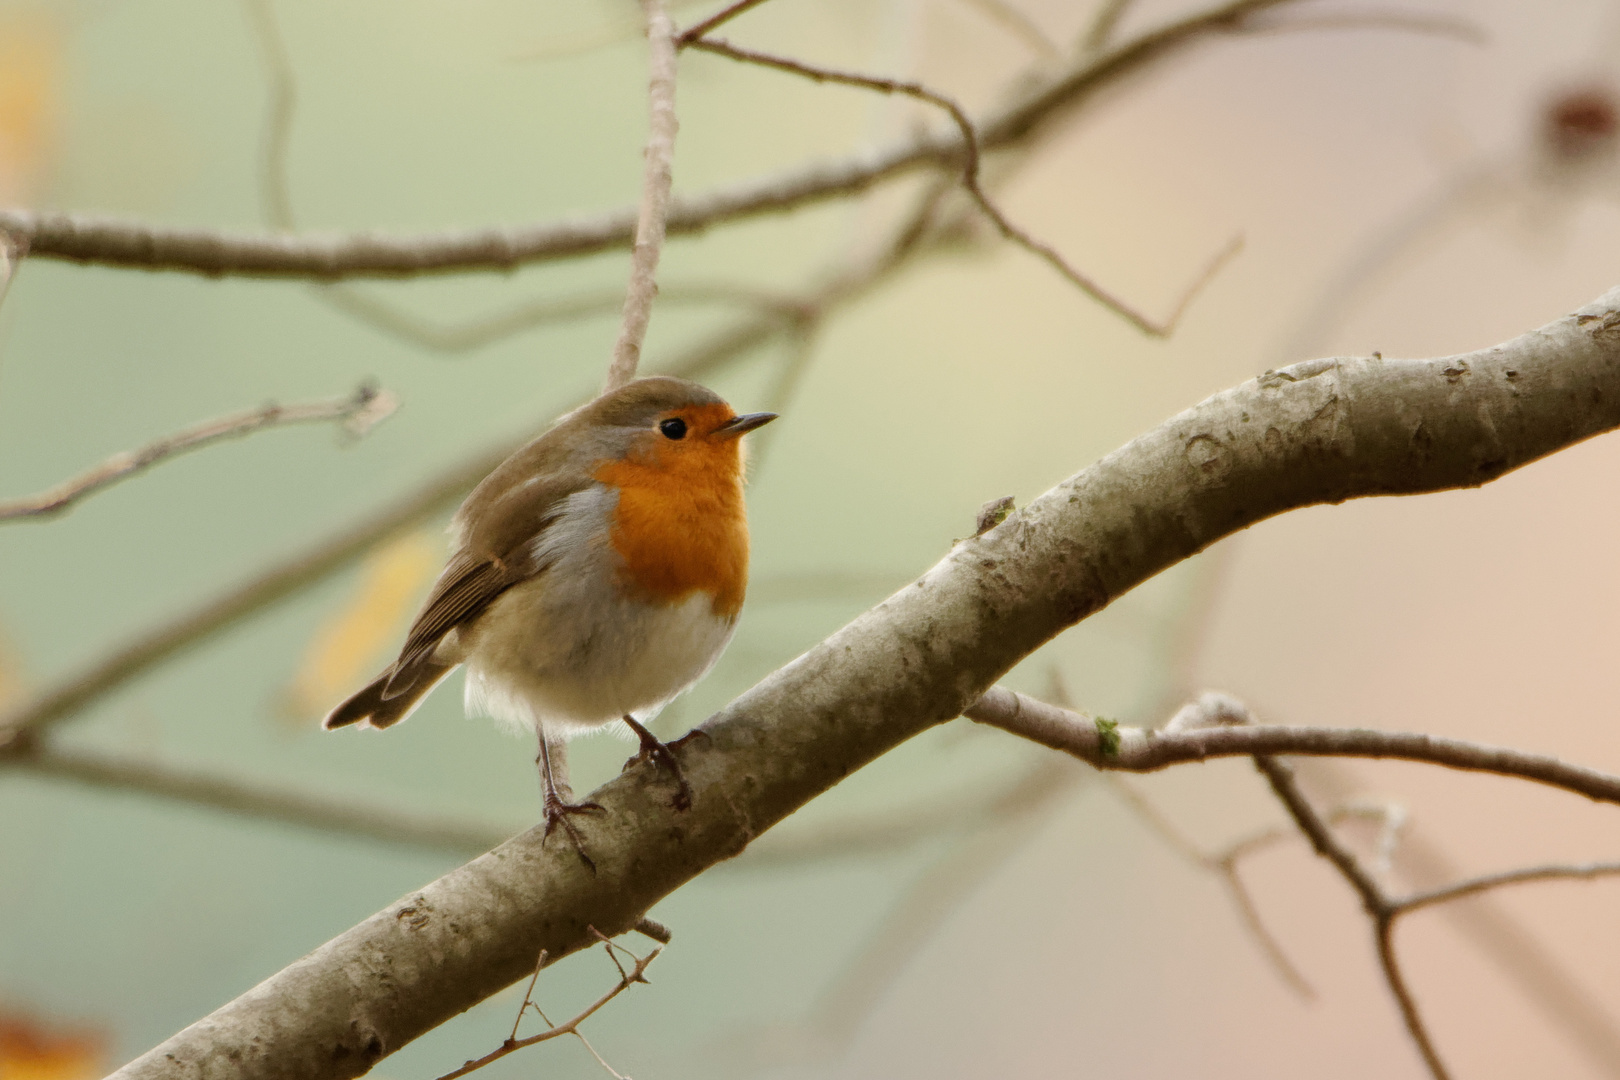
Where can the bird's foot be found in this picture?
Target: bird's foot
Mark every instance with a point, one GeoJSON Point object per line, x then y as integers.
{"type": "Point", "coordinates": [558, 813]}
{"type": "Point", "coordinates": [660, 754]}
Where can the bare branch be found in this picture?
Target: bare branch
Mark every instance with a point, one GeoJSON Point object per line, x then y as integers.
{"type": "Point", "coordinates": [136, 244]}
{"type": "Point", "coordinates": [970, 180]}
{"type": "Point", "coordinates": [655, 193]}
{"type": "Point", "coordinates": [358, 413]}
{"type": "Point", "coordinates": [464, 839]}
{"type": "Point", "coordinates": [1139, 750]}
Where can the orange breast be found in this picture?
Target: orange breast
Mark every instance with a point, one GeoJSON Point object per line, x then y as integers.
{"type": "Point", "coordinates": [680, 526]}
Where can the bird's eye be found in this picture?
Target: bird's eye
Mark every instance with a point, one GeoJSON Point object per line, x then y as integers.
{"type": "Point", "coordinates": [673, 428]}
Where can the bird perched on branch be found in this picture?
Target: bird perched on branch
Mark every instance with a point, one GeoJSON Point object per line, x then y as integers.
{"type": "Point", "coordinates": [595, 575]}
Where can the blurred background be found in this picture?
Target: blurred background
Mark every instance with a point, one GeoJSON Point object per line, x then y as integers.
{"type": "Point", "coordinates": [1418, 178]}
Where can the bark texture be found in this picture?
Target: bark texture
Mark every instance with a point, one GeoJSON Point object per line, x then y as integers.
{"type": "Point", "coordinates": [1320, 431]}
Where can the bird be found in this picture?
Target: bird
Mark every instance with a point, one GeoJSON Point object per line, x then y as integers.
{"type": "Point", "coordinates": [595, 575]}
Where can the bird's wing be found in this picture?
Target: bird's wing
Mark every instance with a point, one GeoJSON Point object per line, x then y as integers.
{"type": "Point", "coordinates": [499, 552]}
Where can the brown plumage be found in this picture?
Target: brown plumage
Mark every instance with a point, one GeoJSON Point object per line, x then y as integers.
{"type": "Point", "coordinates": [595, 574]}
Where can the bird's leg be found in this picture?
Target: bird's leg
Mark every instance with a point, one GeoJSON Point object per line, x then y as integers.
{"type": "Point", "coordinates": [552, 761]}
{"type": "Point", "coordinates": [652, 748]}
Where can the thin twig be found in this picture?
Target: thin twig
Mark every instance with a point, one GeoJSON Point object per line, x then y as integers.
{"type": "Point", "coordinates": [462, 839]}
{"type": "Point", "coordinates": [528, 998]}
{"type": "Point", "coordinates": [655, 196]}
{"type": "Point", "coordinates": [571, 1027]}
{"type": "Point", "coordinates": [971, 155]}
{"type": "Point", "coordinates": [358, 413]}
{"type": "Point", "coordinates": [1485, 882]}
{"type": "Point", "coordinates": [719, 18]}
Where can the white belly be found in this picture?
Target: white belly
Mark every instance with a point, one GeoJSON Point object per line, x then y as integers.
{"type": "Point", "coordinates": [551, 654]}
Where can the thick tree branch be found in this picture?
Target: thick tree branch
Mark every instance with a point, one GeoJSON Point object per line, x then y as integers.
{"type": "Point", "coordinates": [358, 413]}
{"type": "Point", "coordinates": [1321, 431]}
{"type": "Point", "coordinates": [139, 245]}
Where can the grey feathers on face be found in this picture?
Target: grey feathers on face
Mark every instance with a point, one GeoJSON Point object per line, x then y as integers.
{"type": "Point", "coordinates": [639, 404]}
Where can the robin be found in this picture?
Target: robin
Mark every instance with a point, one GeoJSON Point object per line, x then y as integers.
{"type": "Point", "coordinates": [596, 574]}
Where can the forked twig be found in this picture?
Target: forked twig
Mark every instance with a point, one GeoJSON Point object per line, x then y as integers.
{"type": "Point", "coordinates": [571, 1027]}
{"type": "Point", "coordinates": [971, 181]}
{"type": "Point", "coordinates": [358, 413]}
{"type": "Point", "coordinates": [1379, 907]}
{"type": "Point", "coordinates": [1217, 724]}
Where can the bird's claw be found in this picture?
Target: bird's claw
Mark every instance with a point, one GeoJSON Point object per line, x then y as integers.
{"type": "Point", "coordinates": [661, 754]}
{"type": "Point", "coordinates": [558, 813]}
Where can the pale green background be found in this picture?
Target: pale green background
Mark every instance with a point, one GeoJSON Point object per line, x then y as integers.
{"type": "Point", "coordinates": [1090, 951]}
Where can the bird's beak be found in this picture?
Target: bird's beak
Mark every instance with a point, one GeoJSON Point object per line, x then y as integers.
{"type": "Point", "coordinates": [742, 425]}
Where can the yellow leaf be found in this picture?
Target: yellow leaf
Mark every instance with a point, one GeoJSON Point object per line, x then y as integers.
{"type": "Point", "coordinates": [29, 1051]}
{"type": "Point", "coordinates": [353, 641]}
{"type": "Point", "coordinates": [30, 61]}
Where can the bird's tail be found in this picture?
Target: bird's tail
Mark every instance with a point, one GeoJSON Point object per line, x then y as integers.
{"type": "Point", "coordinates": [369, 708]}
